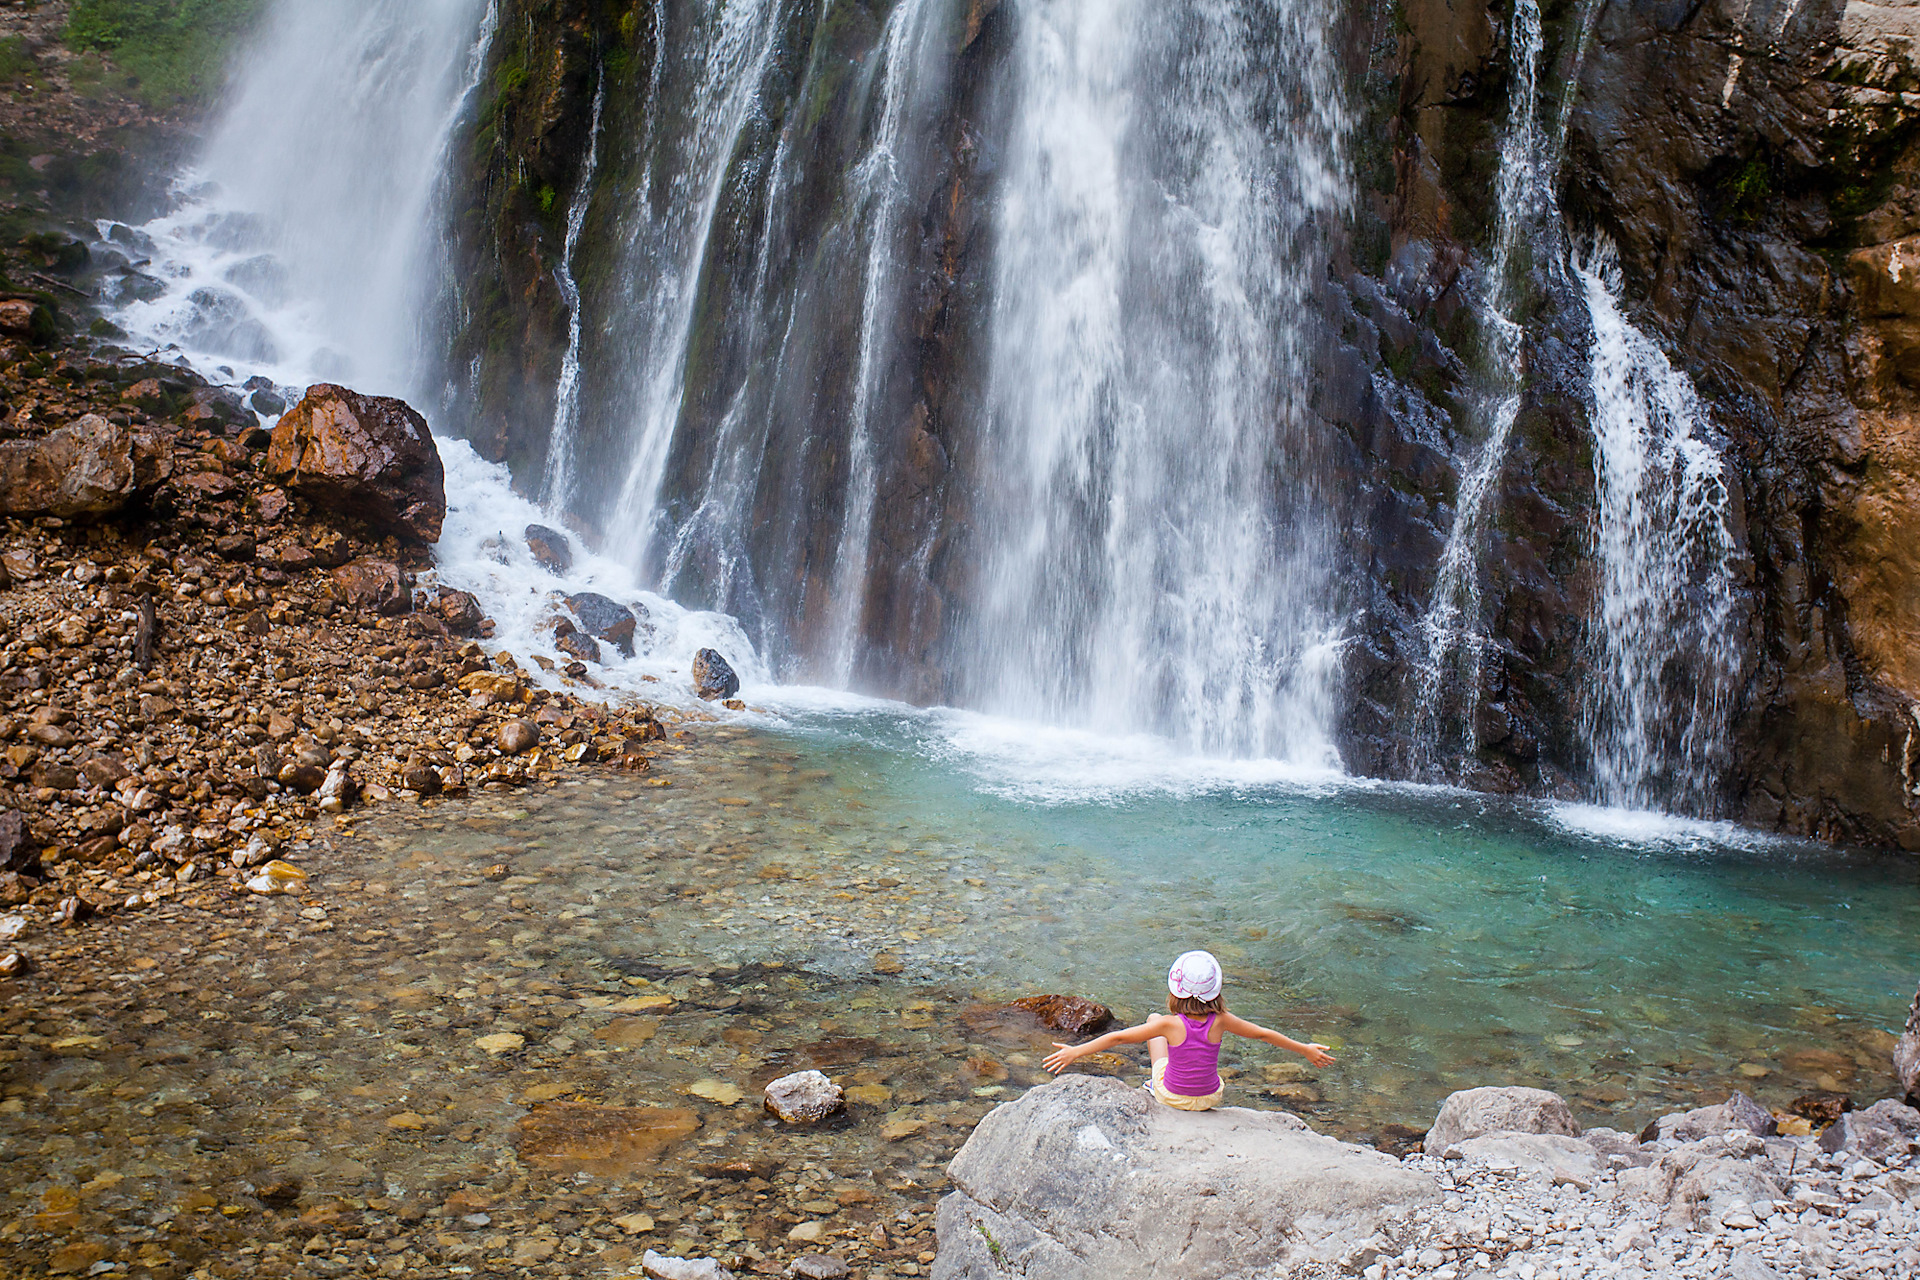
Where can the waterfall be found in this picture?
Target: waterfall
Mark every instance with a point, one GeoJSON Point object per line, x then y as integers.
{"type": "Point", "coordinates": [1155, 549]}
{"type": "Point", "coordinates": [722, 55]}
{"type": "Point", "coordinates": [557, 485]}
{"type": "Point", "coordinates": [303, 243]}
{"type": "Point", "coordinates": [1527, 209]}
{"type": "Point", "coordinates": [1667, 639]}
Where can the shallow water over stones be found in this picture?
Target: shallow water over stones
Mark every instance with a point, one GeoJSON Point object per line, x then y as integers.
{"type": "Point", "coordinates": [529, 1030]}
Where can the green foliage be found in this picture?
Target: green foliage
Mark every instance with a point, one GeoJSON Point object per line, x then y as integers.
{"type": "Point", "coordinates": [15, 62]}
{"type": "Point", "coordinates": [168, 51]}
{"type": "Point", "coordinates": [1746, 189]}
{"type": "Point", "coordinates": [546, 196]}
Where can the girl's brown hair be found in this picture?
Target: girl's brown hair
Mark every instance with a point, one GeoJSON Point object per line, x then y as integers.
{"type": "Point", "coordinates": [1197, 1008]}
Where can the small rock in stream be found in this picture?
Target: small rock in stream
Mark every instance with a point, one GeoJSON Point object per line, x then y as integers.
{"type": "Point", "coordinates": [517, 737]}
{"type": "Point", "coordinates": [804, 1097]}
{"type": "Point", "coordinates": [661, 1267]}
{"type": "Point", "coordinates": [550, 548]}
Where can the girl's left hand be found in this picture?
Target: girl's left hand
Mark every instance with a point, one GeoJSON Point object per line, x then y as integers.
{"type": "Point", "coordinates": [1058, 1062]}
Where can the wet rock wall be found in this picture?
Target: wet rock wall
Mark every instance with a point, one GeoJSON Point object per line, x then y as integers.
{"type": "Point", "coordinates": [1754, 162]}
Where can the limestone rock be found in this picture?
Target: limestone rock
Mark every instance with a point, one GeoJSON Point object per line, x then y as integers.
{"type": "Point", "coordinates": [369, 456]}
{"type": "Point", "coordinates": [1472, 1113]}
{"type": "Point", "coordinates": [373, 586]}
{"type": "Point", "coordinates": [1906, 1054]}
{"type": "Point", "coordinates": [1697, 1183]}
{"type": "Point", "coordinates": [605, 619]}
{"type": "Point", "coordinates": [712, 676]}
{"type": "Point", "coordinates": [661, 1267]}
{"type": "Point", "coordinates": [818, 1266]}
{"type": "Point", "coordinates": [87, 468]}
{"type": "Point", "coordinates": [1087, 1178]}
{"type": "Point", "coordinates": [1885, 1131]}
{"type": "Point", "coordinates": [1737, 1112]}
{"type": "Point", "coordinates": [1560, 1157]}
{"type": "Point", "coordinates": [550, 548]}
{"type": "Point", "coordinates": [804, 1097]}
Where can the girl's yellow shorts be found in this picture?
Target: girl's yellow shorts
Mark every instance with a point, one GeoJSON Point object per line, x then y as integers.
{"type": "Point", "coordinates": [1181, 1101]}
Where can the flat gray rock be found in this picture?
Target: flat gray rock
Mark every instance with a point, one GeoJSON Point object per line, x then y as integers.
{"type": "Point", "coordinates": [1474, 1113]}
{"type": "Point", "coordinates": [1087, 1178]}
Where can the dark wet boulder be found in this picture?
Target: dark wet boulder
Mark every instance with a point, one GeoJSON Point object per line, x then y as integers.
{"type": "Point", "coordinates": [605, 619]}
{"type": "Point", "coordinates": [550, 548]}
{"type": "Point", "coordinates": [1068, 1015]}
{"type": "Point", "coordinates": [576, 644]}
{"type": "Point", "coordinates": [19, 851]}
{"type": "Point", "coordinates": [371, 457]}
{"type": "Point", "coordinates": [712, 676]}
{"type": "Point", "coordinates": [459, 610]}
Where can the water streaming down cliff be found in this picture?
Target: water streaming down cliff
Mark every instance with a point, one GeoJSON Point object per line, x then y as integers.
{"type": "Point", "coordinates": [305, 241]}
{"type": "Point", "coordinates": [557, 486]}
{"type": "Point", "coordinates": [1159, 556]}
{"type": "Point", "coordinates": [1448, 688]}
{"type": "Point", "coordinates": [1667, 631]}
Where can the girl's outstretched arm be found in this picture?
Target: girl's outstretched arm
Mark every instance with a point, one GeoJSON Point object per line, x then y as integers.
{"type": "Point", "coordinates": [1315, 1053]}
{"type": "Point", "coordinates": [1158, 1025]}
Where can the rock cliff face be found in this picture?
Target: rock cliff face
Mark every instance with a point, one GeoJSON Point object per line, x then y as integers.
{"type": "Point", "coordinates": [1754, 162]}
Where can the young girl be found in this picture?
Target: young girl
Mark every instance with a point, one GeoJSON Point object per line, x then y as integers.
{"type": "Point", "coordinates": [1185, 1041]}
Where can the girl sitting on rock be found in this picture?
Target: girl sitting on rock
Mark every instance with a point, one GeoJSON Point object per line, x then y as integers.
{"type": "Point", "coordinates": [1185, 1040]}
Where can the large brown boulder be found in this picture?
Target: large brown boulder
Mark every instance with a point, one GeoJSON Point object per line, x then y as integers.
{"type": "Point", "coordinates": [88, 468]}
{"type": "Point", "coordinates": [372, 586]}
{"type": "Point", "coordinates": [368, 456]}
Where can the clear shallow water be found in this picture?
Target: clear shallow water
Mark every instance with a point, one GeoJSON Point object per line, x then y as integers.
{"type": "Point", "coordinates": [851, 895]}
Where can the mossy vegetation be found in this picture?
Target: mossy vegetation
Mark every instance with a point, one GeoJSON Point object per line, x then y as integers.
{"type": "Point", "coordinates": [167, 53]}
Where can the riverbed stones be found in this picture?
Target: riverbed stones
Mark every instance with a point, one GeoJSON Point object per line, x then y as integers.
{"type": "Point", "coordinates": [519, 736]}
{"type": "Point", "coordinates": [606, 1142]}
{"type": "Point", "coordinates": [1087, 1178]}
{"type": "Point", "coordinates": [712, 676]}
{"type": "Point", "coordinates": [373, 586]}
{"type": "Point", "coordinates": [369, 456]}
{"type": "Point", "coordinates": [1471, 1113]}
{"type": "Point", "coordinates": [804, 1097]}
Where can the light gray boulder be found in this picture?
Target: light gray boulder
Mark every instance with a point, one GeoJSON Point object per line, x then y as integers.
{"type": "Point", "coordinates": [661, 1267]}
{"type": "Point", "coordinates": [1694, 1185]}
{"type": "Point", "coordinates": [1906, 1053]}
{"type": "Point", "coordinates": [1737, 1112]}
{"type": "Point", "coordinates": [1557, 1156]}
{"type": "Point", "coordinates": [1087, 1178]}
{"type": "Point", "coordinates": [1884, 1132]}
{"type": "Point", "coordinates": [1473, 1113]}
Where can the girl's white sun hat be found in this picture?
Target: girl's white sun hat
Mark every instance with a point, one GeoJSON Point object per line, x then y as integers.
{"type": "Point", "coordinates": [1195, 976]}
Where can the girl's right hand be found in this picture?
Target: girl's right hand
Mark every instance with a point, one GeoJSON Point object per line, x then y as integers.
{"type": "Point", "coordinates": [1060, 1061]}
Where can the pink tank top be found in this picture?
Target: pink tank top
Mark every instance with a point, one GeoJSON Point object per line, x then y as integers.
{"type": "Point", "coordinates": [1193, 1068]}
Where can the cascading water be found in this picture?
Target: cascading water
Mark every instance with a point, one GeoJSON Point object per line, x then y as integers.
{"type": "Point", "coordinates": [304, 244]}
{"type": "Point", "coordinates": [1667, 631]}
{"type": "Point", "coordinates": [1449, 678]}
{"type": "Point", "coordinates": [722, 54]}
{"type": "Point", "coordinates": [1155, 550]}
{"type": "Point", "coordinates": [557, 486]}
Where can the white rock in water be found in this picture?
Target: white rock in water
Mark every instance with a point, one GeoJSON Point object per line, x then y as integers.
{"type": "Point", "coordinates": [1473, 1113]}
{"type": "Point", "coordinates": [1228, 1192]}
{"type": "Point", "coordinates": [804, 1097]}
{"type": "Point", "coordinates": [661, 1267]}
{"type": "Point", "coordinates": [12, 927]}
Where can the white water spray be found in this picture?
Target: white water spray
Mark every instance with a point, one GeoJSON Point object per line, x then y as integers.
{"type": "Point", "coordinates": [1667, 643]}
{"type": "Point", "coordinates": [1156, 552]}
{"type": "Point", "coordinates": [304, 246]}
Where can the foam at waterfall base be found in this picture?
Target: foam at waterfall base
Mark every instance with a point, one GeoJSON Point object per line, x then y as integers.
{"type": "Point", "coordinates": [483, 549]}
{"type": "Point", "coordinates": [1651, 828]}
